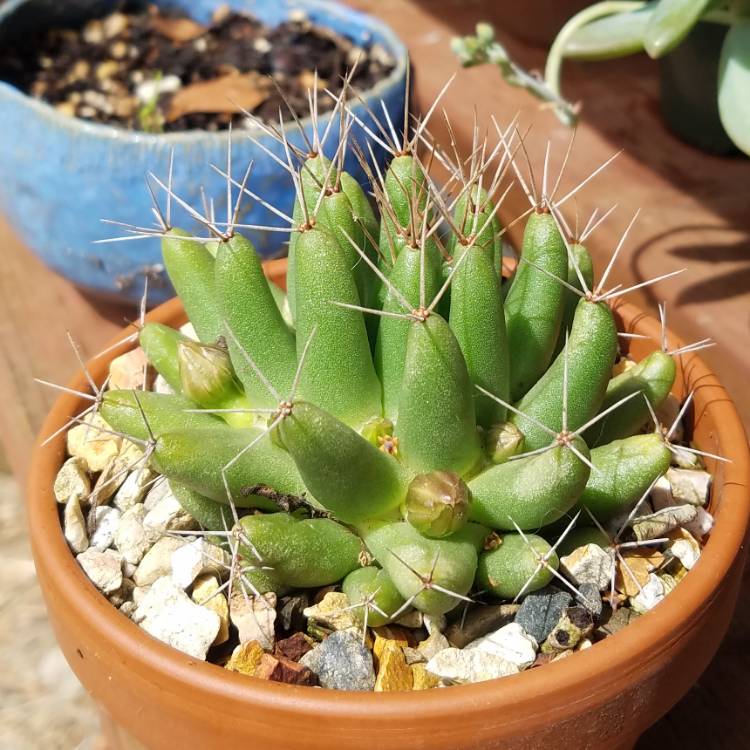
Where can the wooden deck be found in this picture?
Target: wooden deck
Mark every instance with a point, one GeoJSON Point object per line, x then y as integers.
{"type": "Point", "coordinates": [695, 214]}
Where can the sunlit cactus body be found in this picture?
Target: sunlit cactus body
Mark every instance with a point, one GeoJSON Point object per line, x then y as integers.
{"type": "Point", "coordinates": [415, 403]}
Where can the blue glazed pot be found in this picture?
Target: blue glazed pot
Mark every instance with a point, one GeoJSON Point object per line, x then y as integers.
{"type": "Point", "coordinates": [61, 176]}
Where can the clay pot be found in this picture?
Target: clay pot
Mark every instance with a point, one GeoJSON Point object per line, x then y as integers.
{"type": "Point", "coordinates": [155, 697]}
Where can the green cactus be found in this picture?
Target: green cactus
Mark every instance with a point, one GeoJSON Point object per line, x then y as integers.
{"type": "Point", "coordinates": [397, 392]}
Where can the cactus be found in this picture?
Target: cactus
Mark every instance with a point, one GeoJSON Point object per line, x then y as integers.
{"type": "Point", "coordinates": [402, 404]}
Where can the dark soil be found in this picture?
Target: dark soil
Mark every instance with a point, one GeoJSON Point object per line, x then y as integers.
{"type": "Point", "coordinates": [143, 69]}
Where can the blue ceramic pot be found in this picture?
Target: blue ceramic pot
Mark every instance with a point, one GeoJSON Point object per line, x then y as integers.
{"type": "Point", "coordinates": [60, 176]}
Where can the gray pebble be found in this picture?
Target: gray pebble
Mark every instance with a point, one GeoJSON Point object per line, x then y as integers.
{"type": "Point", "coordinates": [541, 610]}
{"type": "Point", "coordinates": [342, 662]}
{"type": "Point", "coordinates": [592, 599]}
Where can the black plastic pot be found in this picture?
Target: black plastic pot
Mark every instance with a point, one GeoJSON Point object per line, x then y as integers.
{"type": "Point", "coordinates": [689, 90]}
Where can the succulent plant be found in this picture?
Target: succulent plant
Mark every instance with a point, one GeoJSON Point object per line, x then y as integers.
{"type": "Point", "coordinates": [419, 427]}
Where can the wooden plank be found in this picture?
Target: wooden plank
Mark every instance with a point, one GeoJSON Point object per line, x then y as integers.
{"type": "Point", "coordinates": [37, 308]}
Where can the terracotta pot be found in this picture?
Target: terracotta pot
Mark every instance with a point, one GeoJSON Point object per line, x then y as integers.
{"type": "Point", "coordinates": [153, 696]}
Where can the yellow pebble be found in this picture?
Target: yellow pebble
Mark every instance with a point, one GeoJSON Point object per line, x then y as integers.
{"type": "Point", "coordinates": [393, 671]}
{"type": "Point", "coordinates": [246, 658]}
{"type": "Point", "coordinates": [421, 678]}
{"type": "Point", "coordinates": [385, 635]}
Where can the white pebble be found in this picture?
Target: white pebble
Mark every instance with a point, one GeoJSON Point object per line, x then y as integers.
{"type": "Point", "coordinates": [461, 666]}
{"type": "Point", "coordinates": [701, 524]}
{"type": "Point", "coordinates": [157, 562]}
{"type": "Point", "coordinates": [72, 481]}
{"type": "Point", "coordinates": [104, 569]}
{"type": "Point", "coordinates": [131, 538]}
{"type": "Point", "coordinates": [650, 594]}
{"type": "Point", "coordinates": [690, 486]}
{"type": "Point", "coordinates": [511, 643]}
{"type": "Point", "coordinates": [75, 526]}
{"type": "Point", "coordinates": [589, 564]}
{"type": "Point", "coordinates": [167, 613]}
{"type": "Point", "coordinates": [168, 515]}
{"type": "Point", "coordinates": [196, 558]}
{"type": "Point", "coordinates": [106, 522]}
{"type": "Point", "coordinates": [133, 488]}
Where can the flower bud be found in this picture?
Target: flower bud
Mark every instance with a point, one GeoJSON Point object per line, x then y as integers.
{"type": "Point", "coordinates": [379, 432]}
{"type": "Point", "coordinates": [206, 374]}
{"type": "Point", "coordinates": [437, 503]}
{"type": "Point", "coordinates": [502, 441]}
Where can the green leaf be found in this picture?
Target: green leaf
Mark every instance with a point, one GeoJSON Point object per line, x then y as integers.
{"type": "Point", "coordinates": [670, 22]}
{"type": "Point", "coordinates": [618, 35]}
{"type": "Point", "coordinates": [734, 85]}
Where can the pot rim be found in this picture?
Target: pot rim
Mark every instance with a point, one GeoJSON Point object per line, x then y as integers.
{"type": "Point", "coordinates": [77, 126]}
{"type": "Point", "coordinates": [603, 668]}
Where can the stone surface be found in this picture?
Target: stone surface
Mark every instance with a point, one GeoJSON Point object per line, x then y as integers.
{"type": "Point", "coordinates": [511, 642]}
{"type": "Point", "coordinates": [413, 655]}
{"type": "Point", "coordinates": [575, 624]}
{"type": "Point", "coordinates": [90, 442]}
{"type": "Point", "coordinates": [156, 493]}
{"type": "Point", "coordinates": [393, 671]}
{"type": "Point", "coordinates": [391, 633]}
{"type": "Point", "coordinates": [197, 558]}
{"type": "Point", "coordinates": [701, 524]}
{"type": "Point", "coordinates": [128, 371]}
{"type": "Point", "coordinates": [651, 593]}
{"type": "Point", "coordinates": [460, 666]}
{"type": "Point", "coordinates": [280, 669]}
{"type": "Point", "coordinates": [690, 486]}
{"type": "Point", "coordinates": [635, 567]}
{"type": "Point", "coordinates": [541, 610]}
{"type": "Point", "coordinates": [72, 481]}
{"type": "Point", "coordinates": [167, 515]}
{"type": "Point", "coordinates": [684, 459]}
{"type": "Point", "coordinates": [433, 644]}
{"type": "Point", "coordinates": [421, 678]}
{"type": "Point", "coordinates": [410, 619]}
{"type": "Point", "coordinates": [104, 569]}
{"type": "Point", "coordinates": [254, 617]}
{"type": "Point", "coordinates": [589, 564]}
{"type": "Point", "coordinates": [332, 612]}
{"type": "Point", "coordinates": [167, 613]}
{"type": "Point", "coordinates": [342, 662]}
{"type": "Point", "coordinates": [157, 562]}
{"type": "Point", "coordinates": [478, 622]}
{"type": "Point", "coordinates": [74, 526]}
{"type": "Point", "coordinates": [591, 599]}
{"type": "Point", "coordinates": [206, 593]}
{"type": "Point", "coordinates": [615, 621]}
{"type": "Point", "coordinates": [133, 488]}
{"type": "Point", "coordinates": [131, 538]}
{"type": "Point", "coordinates": [294, 647]}
{"type": "Point", "coordinates": [106, 523]}
{"type": "Point", "coordinates": [661, 522]}
{"type": "Point", "coordinates": [434, 622]}
{"type": "Point", "coordinates": [246, 658]}
{"type": "Point", "coordinates": [685, 547]}
{"type": "Point", "coordinates": [661, 494]}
